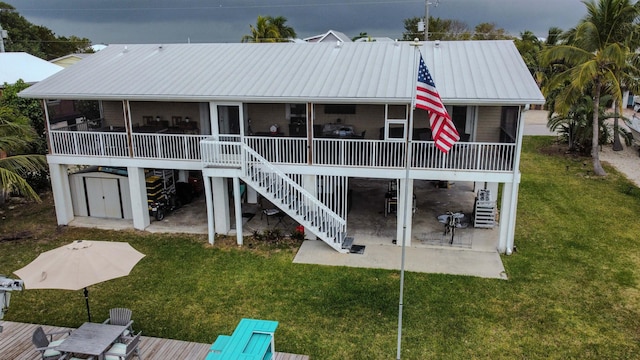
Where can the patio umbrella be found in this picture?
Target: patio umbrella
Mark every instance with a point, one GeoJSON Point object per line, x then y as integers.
{"type": "Point", "coordinates": [79, 265]}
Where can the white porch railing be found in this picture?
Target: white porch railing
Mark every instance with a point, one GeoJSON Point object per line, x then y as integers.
{"type": "Point", "coordinates": [167, 146]}
{"type": "Point", "coordinates": [282, 150]}
{"type": "Point", "coordinates": [225, 153]}
{"type": "Point", "coordinates": [89, 143]}
{"type": "Point", "coordinates": [464, 156]}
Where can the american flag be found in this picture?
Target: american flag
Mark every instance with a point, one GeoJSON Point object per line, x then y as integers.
{"type": "Point", "coordinates": [427, 98]}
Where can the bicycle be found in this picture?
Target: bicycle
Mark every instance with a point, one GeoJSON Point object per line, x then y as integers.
{"type": "Point", "coordinates": [451, 221]}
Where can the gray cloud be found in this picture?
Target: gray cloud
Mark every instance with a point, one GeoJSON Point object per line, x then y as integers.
{"type": "Point", "coordinates": [152, 21]}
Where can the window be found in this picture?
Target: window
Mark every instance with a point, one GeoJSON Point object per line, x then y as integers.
{"type": "Point", "coordinates": [509, 124]}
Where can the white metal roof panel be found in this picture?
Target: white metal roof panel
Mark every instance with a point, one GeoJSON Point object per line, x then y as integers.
{"type": "Point", "coordinates": [19, 65]}
{"type": "Point", "coordinates": [466, 72]}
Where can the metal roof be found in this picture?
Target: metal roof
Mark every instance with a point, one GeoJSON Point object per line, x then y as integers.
{"type": "Point", "coordinates": [465, 72]}
{"type": "Point", "coordinates": [20, 65]}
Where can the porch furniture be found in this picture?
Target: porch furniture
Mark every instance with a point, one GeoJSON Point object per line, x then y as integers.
{"type": "Point", "coordinates": [91, 339]}
{"type": "Point", "coordinates": [298, 130]}
{"type": "Point", "coordinates": [252, 340]}
{"type": "Point", "coordinates": [124, 351]}
{"type": "Point", "coordinates": [120, 316]}
{"type": "Point", "coordinates": [274, 212]}
{"type": "Point", "coordinates": [46, 345]}
{"type": "Point", "coordinates": [337, 130]}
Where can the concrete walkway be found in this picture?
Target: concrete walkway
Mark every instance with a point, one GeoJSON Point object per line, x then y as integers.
{"type": "Point", "coordinates": [485, 264]}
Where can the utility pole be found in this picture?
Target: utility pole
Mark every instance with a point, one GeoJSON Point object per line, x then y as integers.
{"type": "Point", "coordinates": [426, 20]}
{"type": "Point", "coordinates": [426, 17]}
{"type": "Point", "coordinates": [3, 35]}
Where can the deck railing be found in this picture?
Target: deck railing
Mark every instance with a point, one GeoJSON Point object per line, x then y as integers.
{"type": "Point", "coordinates": [167, 146]}
{"type": "Point", "coordinates": [493, 157]}
{"type": "Point", "coordinates": [89, 143]}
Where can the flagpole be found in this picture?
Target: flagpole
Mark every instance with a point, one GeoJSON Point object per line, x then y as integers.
{"type": "Point", "coordinates": [405, 200]}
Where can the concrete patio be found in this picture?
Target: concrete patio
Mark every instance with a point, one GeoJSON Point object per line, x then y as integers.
{"type": "Point", "coordinates": [473, 252]}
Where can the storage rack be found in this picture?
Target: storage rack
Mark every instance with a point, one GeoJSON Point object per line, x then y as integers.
{"type": "Point", "coordinates": [159, 182]}
{"type": "Point", "coordinates": [484, 210]}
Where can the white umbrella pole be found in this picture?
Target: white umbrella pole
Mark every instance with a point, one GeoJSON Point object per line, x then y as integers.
{"type": "Point", "coordinates": [86, 300]}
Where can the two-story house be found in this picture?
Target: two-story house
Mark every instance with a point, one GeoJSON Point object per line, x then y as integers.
{"type": "Point", "coordinates": [291, 123]}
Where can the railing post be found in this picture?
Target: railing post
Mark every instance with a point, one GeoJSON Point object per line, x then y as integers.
{"type": "Point", "coordinates": [75, 144]}
{"type": "Point", "coordinates": [158, 147]}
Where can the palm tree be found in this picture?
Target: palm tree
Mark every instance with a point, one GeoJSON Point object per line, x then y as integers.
{"type": "Point", "coordinates": [285, 32]}
{"type": "Point", "coordinates": [264, 31]}
{"type": "Point", "coordinates": [270, 29]}
{"type": "Point", "coordinates": [16, 134]}
{"type": "Point", "coordinates": [595, 58]}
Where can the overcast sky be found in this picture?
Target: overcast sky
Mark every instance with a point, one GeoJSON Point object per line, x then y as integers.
{"type": "Point", "coordinates": [162, 21]}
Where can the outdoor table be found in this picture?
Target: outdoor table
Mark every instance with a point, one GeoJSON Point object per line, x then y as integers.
{"type": "Point", "coordinates": [91, 339]}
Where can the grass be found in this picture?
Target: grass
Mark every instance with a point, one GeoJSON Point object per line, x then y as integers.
{"type": "Point", "coordinates": [572, 290]}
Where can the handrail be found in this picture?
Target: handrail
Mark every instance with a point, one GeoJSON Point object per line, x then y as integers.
{"type": "Point", "coordinates": [292, 198]}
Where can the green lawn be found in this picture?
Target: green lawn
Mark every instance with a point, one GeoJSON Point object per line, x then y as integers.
{"type": "Point", "coordinates": [572, 290]}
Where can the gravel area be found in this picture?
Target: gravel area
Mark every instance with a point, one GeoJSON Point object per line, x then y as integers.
{"type": "Point", "coordinates": [626, 161]}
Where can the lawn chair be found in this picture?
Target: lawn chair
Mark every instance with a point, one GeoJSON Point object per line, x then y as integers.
{"type": "Point", "coordinates": [46, 345]}
{"type": "Point", "coordinates": [121, 351]}
{"type": "Point", "coordinates": [122, 317]}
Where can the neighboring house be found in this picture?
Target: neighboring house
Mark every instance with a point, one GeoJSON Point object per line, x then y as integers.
{"type": "Point", "coordinates": [292, 123]}
{"type": "Point", "coordinates": [20, 65]}
{"type": "Point", "coordinates": [68, 60]}
{"type": "Point", "coordinates": [373, 39]}
{"type": "Point", "coordinates": [330, 36]}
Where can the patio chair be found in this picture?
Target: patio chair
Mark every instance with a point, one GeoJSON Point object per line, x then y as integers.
{"type": "Point", "coordinates": [46, 345]}
{"type": "Point", "coordinates": [121, 351]}
{"type": "Point", "coordinates": [122, 317]}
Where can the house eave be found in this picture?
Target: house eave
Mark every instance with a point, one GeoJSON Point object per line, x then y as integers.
{"type": "Point", "coordinates": [274, 99]}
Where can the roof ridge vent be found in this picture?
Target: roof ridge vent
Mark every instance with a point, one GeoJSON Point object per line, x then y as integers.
{"type": "Point", "coordinates": [437, 43]}
{"type": "Point", "coordinates": [338, 44]}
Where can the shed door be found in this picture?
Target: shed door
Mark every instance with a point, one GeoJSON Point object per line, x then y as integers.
{"type": "Point", "coordinates": [103, 198]}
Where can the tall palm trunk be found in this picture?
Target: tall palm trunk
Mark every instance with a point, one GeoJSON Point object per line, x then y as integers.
{"type": "Point", "coordinates": [595, 143]}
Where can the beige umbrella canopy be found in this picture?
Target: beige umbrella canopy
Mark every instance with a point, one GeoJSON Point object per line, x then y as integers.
{"type": "Point", "coordinates": [80, 264]}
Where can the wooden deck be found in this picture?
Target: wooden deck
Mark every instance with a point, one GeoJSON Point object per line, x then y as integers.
{"type": "Point", "coordinates": [15, 344]}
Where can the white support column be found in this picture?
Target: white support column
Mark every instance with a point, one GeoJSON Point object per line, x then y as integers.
{"type": "Point", "coordinates": [208, 193]}
{"type": "Point", "coordinates": [222, 216]}
{"type": "Point", "coordinates": [237, 202]}
{"type": "Point", "coordinates": [512, 219]}
{"type": "Point", "coordinates": [403, 207]}
{"type": "Point", "coordinates": [493, 188]}
{"type": "Point", "coordinates": [309, 184]}
{"type": "Point", "coordinates": [505, 218]}
{"type": "Point", "coordinates": [139, 205]}
{"type": "Point", "coordinates": [61, 193]}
